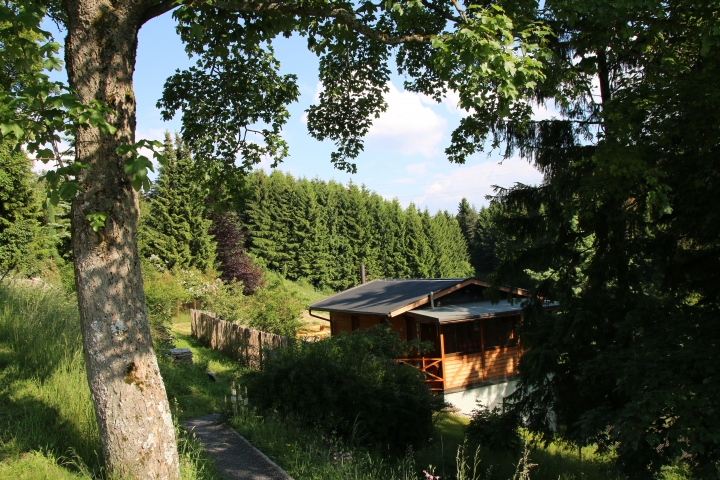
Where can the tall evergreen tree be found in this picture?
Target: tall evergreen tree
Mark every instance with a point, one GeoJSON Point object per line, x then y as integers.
{"type": "Point", "coordinates": [326, 231]}
{"type": "Point", "coordinates": [467, 217]}
{"type": "Point", "coordinates": [485, 241]}
{"type": "Point", "coordinates": [417, 247]}
{"type": "Point", "coordinates": [175, 228]}
{"type": "Point", "coordinates": [455, 247]}
{"type": "Point", "coordinates": [19, 210]}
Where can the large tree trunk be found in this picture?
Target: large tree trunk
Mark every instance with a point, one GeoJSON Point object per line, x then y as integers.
{"type": "Point", "coordinates": [131, 405]}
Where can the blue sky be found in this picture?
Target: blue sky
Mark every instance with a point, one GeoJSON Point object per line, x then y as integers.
{"type": "Point", "coordinates": [403, 155]}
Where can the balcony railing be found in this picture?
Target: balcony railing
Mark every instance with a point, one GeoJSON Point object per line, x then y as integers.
{"type": "Point", "coordinates": [430, 367]}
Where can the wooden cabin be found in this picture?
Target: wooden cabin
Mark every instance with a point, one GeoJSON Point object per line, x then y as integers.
{"type": "Point", "coordinates": [476, 351]}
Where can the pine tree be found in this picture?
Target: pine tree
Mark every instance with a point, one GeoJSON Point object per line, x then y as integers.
{"type": "Point", "coordinates": [325, 231]}
{"type": "Point", "coordinates": [467, 218]}
{"type": "Point", "coordinates": [175, 228]}
{"type": "Point", "coordinates": [485, 241]}
{"type": "Point", "coordinates": [311, 257]}
{"type": "Point", "coordinates": [417, 248]}
{"type": "Point", "coordinates": [457, 249]}
{"type": "Point", "coordinates": [19, 210]}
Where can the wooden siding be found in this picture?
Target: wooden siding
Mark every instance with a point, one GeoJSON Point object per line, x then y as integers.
{"type": "Point", "coordinates": [467, 369]}
{"type": "Point", "coordinates": [463, 369]}
{"type": "Point", "coordinates": [398, 326]}
{"type": "Point", "coordinates": [501, 362]}
{"type": "Point", "coordinates": [342, 322]}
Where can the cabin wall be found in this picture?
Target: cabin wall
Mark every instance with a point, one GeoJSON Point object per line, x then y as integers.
{"type": "Point", "coordinates": [501, 362]}
{"type": "Point", "coordinates": [462, 369]}
{"type": "Point", "coordinates": [467, 369]}
{"type": "Point", "coordinates": [343, 322]}
{"type": "Point", "coordinates": [340, 322]}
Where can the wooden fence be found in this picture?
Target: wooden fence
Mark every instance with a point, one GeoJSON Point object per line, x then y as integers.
{"type": "Point", "coordinates": [249, 346]}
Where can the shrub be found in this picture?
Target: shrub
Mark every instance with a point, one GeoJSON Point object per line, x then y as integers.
{"type": "Point", "coordinates": [349, 386]}
{"type": "Point", "coordinates": [495, 430]}
{"type": "Point", "coordinates": [274, 308]}
{"type": "Point", "coordinates": [164, 293]}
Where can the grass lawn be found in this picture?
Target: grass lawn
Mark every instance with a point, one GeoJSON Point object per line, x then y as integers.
{"type": "Point", "coordinates": [189, 388]}
{"type": "Point", "coordinates": [47, 423]}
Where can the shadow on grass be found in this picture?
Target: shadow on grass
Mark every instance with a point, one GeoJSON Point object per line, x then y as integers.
{"type": "Point", "coordinates": [552, 463]}
{"type": "Point", "coordinates": [31, 424]}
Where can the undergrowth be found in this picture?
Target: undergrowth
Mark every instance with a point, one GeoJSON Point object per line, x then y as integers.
{"type": "Point", "coordinates": [47, 423]}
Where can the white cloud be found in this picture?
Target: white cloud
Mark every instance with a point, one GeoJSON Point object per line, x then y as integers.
{"type": "Point", "coordinates": [474, 182]}
{"type": "Point", "coordinates": [451, 101]}
{"type": "Point", "coordinates": [418, 169]}
{"type": "Point", "coordinates": [544, 112]}
{"type": "Point", "coordinates": [407, 126]}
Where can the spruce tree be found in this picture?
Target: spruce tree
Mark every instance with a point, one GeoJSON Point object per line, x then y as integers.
{"type": "Point", "coordinates": [467, 218]}
{"type": "Point", "coordinates": [457, 249]}
{"type": "Point", "coordinates": [417, 248]}
{"type": "Point", "coordinates": [322, 260]}
{"type": "Point", "coordinates": [19, 210]}
{"type": "Point", "coordinates": [485, 241]}
{"type": "Point", "coordinates": [175, 228]}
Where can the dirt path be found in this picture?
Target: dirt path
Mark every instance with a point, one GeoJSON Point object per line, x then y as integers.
{"type": "Point", "coordinates": [234, 457]}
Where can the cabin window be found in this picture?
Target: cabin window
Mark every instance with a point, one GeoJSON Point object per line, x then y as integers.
{"type": "Point", "coordinates": [355, 322]}
{"type": "Point", "coordinates": [500, 332]}
{"type": "Point", "coordinates": [462, 337]}
{"type": "Point", "coordinates": [429, 333]}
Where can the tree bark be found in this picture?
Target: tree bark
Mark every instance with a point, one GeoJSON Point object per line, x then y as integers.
{"type": "Point", "coordinates": [131, 405]}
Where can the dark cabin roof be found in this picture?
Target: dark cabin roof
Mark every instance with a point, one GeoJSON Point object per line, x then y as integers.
{"type": "Point", "coordinates": [469, 311]}
{"type": "Point", "coordinates": [454, 313]}
{"type": "Point", "coordinates": [384, 297]}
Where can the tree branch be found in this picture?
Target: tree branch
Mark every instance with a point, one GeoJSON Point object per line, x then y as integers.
{"type": "Point", "coordinates": [157, 9]}
{"type": "Point", "coordinates": [447, 16]}
{"type": "Point", "coordinates": [343, 15]}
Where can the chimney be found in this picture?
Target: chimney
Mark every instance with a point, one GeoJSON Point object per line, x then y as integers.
{"type": "Point", "coordinates": [362, 273]}
{"type": "Point", "coordinates": [432, 300]}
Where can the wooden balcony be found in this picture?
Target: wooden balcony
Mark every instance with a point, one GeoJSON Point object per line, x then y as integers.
{"type": "Point", "coordinates": [431, 368]}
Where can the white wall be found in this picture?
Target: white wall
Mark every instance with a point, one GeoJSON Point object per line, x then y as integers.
{"type": "Point", "coordinates": [490, 396]}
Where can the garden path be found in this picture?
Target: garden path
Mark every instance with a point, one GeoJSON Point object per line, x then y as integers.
{"type": "Point", "coordinates": [234, 457]}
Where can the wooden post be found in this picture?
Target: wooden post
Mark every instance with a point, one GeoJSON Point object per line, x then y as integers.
{"type": "Point", "coordinates": [482, 348]}
{"type": "Point", "coordinates": [442, 355]}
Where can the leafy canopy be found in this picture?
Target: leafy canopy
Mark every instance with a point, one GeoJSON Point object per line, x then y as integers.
{"type": "Point", "coordinates": [623, 233]}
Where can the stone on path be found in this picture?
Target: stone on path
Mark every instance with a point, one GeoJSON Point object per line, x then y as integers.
{"type": "Point", "coordinates": [234, 457]}
{"type": "Point", "coordinates": [181, 354]}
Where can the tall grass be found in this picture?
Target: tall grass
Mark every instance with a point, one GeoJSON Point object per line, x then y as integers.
{"type": "Point", "coordinates": [47, 422]}
{"type": "Point", "coordinates": [305, 454]}
{"type": "Point", "coordinates": [43, 387]}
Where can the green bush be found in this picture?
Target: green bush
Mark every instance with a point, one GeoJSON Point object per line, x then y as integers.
{"type": "Point", "coordinates": [274, 308]}
{"type": "Point", "coordinates": [495, 430]}
{"type": "Point", "coordinates": [226, 300]}
{"type": "Point", "coordinates": [164, 293]}
{"type": "Point", "coordinates": [349, 386]}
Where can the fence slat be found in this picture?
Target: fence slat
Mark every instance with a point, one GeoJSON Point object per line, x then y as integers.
{"type": "Point", "coordinates": [248, 345]}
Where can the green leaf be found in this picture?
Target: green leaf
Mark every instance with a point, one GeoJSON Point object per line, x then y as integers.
{"type": "Point", "coordinates": [97, 220]}
{"type": "Point", "coordinates": [68, 190]}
